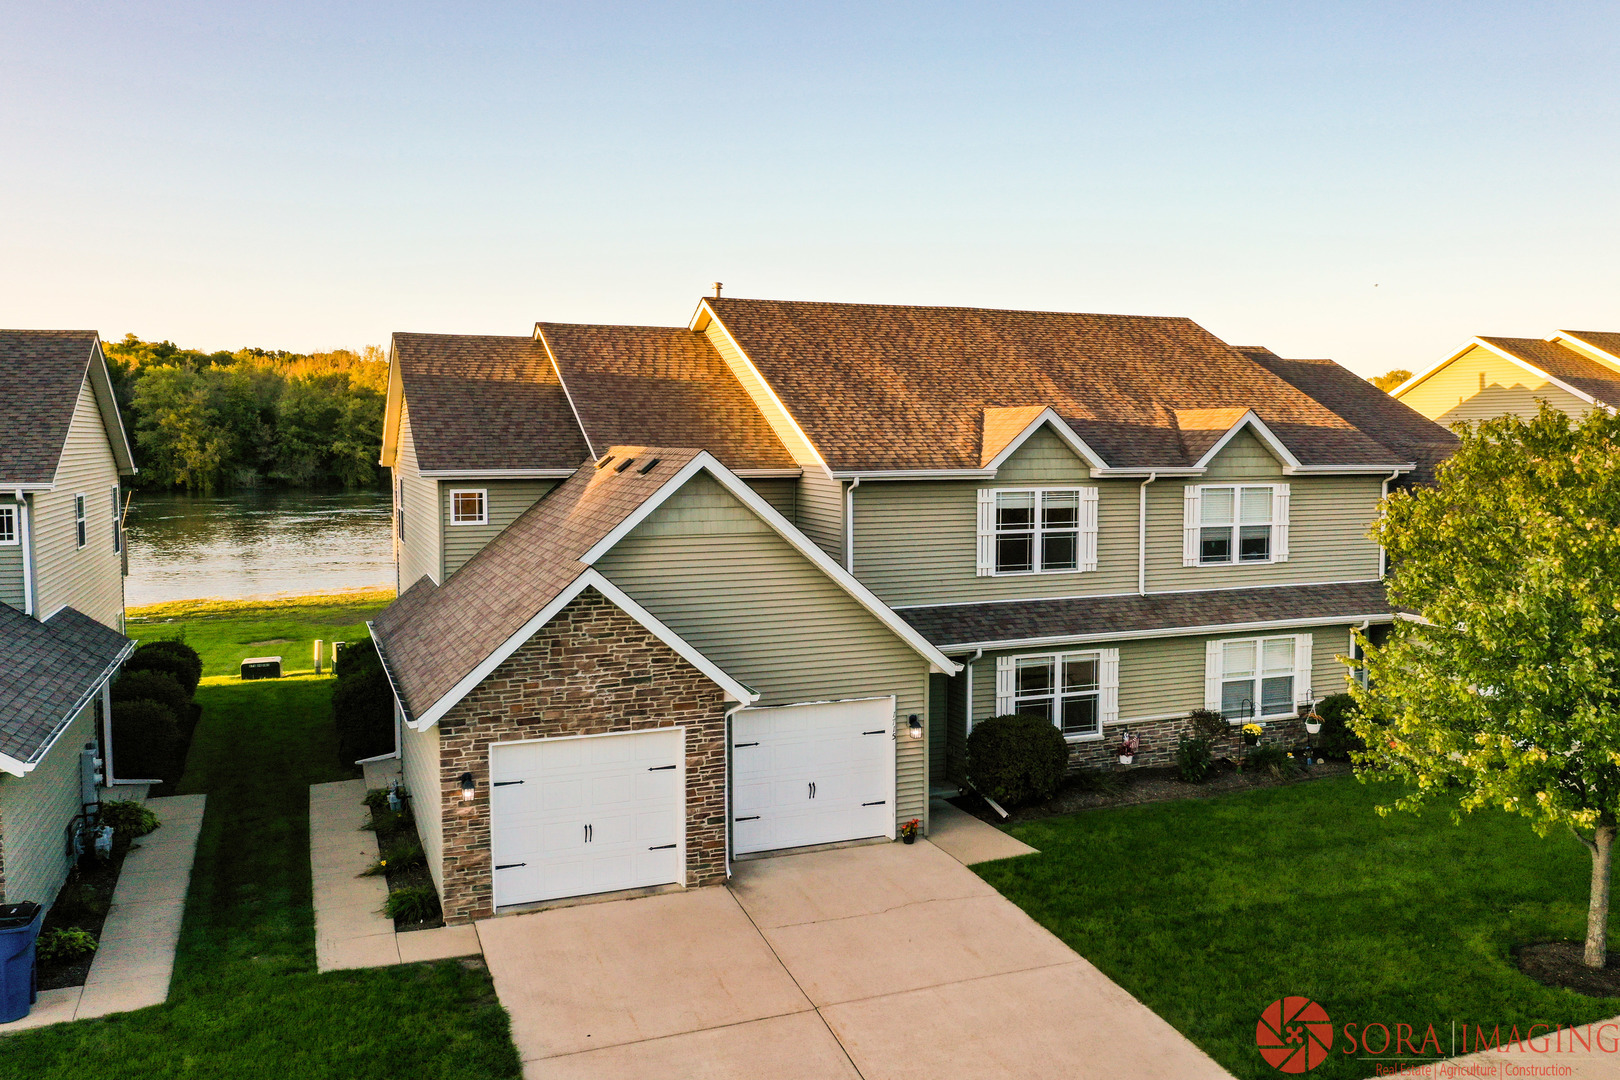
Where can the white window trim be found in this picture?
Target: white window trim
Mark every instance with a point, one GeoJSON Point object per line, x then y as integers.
{"type": "Point", "coordinates": [117, 520]}
{"type": "Point", "coordinates": [1215, 674]}
{"type": "Point", "coordinates": [1107, 687]}
{"type": "Point", "coordinates": [1192, 525]}
{"type": "Point", "coordinates": [483, 506]}
{"type": "Point", "coordinates": [81, 521]}
{"type": "Point", "coordinates": [10, 510]}
{"type": "Point", "coordinates": [1085, 531]}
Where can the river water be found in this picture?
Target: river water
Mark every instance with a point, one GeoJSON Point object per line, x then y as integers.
{"type": "Point", "coordinates": [182, 547]}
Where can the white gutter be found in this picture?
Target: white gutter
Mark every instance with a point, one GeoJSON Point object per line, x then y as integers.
{"type": "Point", "coordinates": [1141, 534]}
{"type": "Point", "coordinates": [25, 537]}
{"type": "Point", "coordinates": [1383, 555]}
{"type": "Point", "coordinates": [849, 525]}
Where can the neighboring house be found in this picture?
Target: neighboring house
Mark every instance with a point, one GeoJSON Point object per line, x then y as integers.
{"type": "Point", "coordinates": [63, 454]}
{"type": "Point", "coordinates": [886, 522]}
{"type": "Point", "coordinates": [1574, 371]}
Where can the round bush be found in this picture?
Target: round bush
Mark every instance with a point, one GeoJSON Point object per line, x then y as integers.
{"type": "Point", "coordinates": [152, 685]}
{"type": "Point", "coordinates": [160, 656]}
{"type": "Point", "coordinates": [1016, 759]}
{"type": "Point", "coordinates": [63, 946]}
{"type": "Point", "coordinates": [363, 708]}
{"type": "Point", "coordinates": [146, 740]}
{"type": "Point", "coordinates": [1336, 740]}
{"type": "Point", "coordinates": [127, 817]}
{"type": "Point", "coordinates": [355, 657]}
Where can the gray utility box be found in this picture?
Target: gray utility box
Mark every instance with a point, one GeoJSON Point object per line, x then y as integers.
{"type": "Point", "coordinates": [261, 667]}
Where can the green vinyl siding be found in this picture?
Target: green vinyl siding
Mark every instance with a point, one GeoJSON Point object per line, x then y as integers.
{"type": "Point", "coordinates": [89, 579]}
{"type": "Point", "coordinates": [505, 501]}
{"type": "Point", "coordinates": [418, 553]}
{"type": "Point", "coordinates": [821, 511]}
{"type": "Point", "coordinates": [938, 700]}
{"type": "Point", "coordinates": [782, 494]}
{"type": "Point", "coordinates": [11, 563]}
{"type": "Point", "coordinates": [35, 811]}
{"type": "Point", "coordinates": [419, 753]}
{"type": "Point", "coordinates": [725, 582]}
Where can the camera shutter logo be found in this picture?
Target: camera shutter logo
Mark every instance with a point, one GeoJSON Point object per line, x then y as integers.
{"type": "Point", "coordinates": [1294, 1034]}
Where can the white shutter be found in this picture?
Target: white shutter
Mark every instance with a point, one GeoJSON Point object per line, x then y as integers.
{"type": "Point", "coordinates": [1109, 684]}
{"type": "Point", "coordinates": [1212, 676]}
{"type": "Point", "coordinates": [1191, 510]}
{"type": "Point", "coordinates": [987, 532]}
{"type": "Point", "coordinates": [1302, 667]}
{"type": "Point", "coordinates": [1004, 685]}
{"type": "Point", "coordinates": [1088, 528]}
{"type": "Point", "coordinates": [1279, 523]}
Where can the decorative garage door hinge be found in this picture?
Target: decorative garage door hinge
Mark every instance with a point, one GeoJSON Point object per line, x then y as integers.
{"type": "Point", "coordinates": [880, 802]}
{"type": "Point", "coordinates": [740, 745]}
{"type": "Point", "coordinates": [660, 847]}
{"type": "Point", "coordinates": [505, 783]}
{"type": "Point", "coordinates": [751, 817]}
{"type": "Point", "coordinates": [510, 865]}
{"type": "Point", "coordinates": [659, 768]}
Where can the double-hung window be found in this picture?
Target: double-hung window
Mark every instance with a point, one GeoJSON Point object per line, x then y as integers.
{"type": "Point", "coordinates": [469, 508]}
{"type": "Point", "coordinates": [117, 522]}
{"type": "Point", "coordinates": [79, 520]}
{"type": "Point", "coordinates": [1037, 530]}
{"type": "Point", "coordinates": [1258, 678]}
{"type": "Point", "coordinates": [1236, 524]}
{"type": "Point", "coordinates": [8, 525]}
{"type": "Point", "coordinates": [1076, 692]}
{"type": "Point", "coordinates": [399, 509]}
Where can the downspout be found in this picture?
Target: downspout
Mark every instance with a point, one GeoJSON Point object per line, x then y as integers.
{"type": "Point", "coordinates": [1383, 555]}
{"type": "Point", "coordinates": [741, 705]}
{"type": "Point", "coordinates": [969, 710]}
{"type": "Point", "coordinates": [26, 537]}
{"type": "Point", "coordinates": [849, 525]}
{"type": "Point", "coordinates": [1141, 534]}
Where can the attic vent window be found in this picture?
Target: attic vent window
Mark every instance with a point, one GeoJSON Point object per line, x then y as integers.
{"type": "Point", "coordinates": [649, 467]}
{"type": "Point", "coordinates": [604, 461]}
{"type": "Point", "coordinates": [625, 464]}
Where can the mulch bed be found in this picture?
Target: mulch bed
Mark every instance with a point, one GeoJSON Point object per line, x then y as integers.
{"type": "Point", "coordinates": [1131, 787]}
{"type": "Point", "coordinates": [1558, 964]}
{"type": "Point", "coordinates": [399, 830]}
{"type": "Point", "coordinates": [82, 904]}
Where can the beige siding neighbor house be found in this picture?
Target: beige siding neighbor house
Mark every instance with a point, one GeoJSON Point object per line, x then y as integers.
{"type": "Point", "coordinates": [63, 455]}
{"type": "Point", "coordinates": [747, 585]}
{"type": "Point", "coordinates": [1574, 371]}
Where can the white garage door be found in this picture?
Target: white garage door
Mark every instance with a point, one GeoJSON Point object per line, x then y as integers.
{"type": "Point", "coordinates": [587, 815]}
{"type": "Point", "coordinates": [812, 774]}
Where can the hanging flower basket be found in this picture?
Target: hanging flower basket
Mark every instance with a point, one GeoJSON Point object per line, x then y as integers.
{"type": "Point", "coordinates": [1313, 723]}
{"type": "Point", "coordinates": [1126, 759]}
{"type": "Point", "coordinates": [1251, 734]}
{"type": "Point", "coordinates": [1129, 744]}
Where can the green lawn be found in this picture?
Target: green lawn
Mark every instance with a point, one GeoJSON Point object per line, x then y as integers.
{"type": "Point", "coordinates": [246, 1001]}
{"type": "Point", "coordinates": [1208, 910]}
{"type": "Point", "coordinates": [226, 632]}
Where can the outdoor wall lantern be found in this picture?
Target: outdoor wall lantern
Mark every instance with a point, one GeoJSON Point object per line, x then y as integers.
{"type": "Point", "coordinates": [916, 726]}
{"type": "Point", "coordinates": [467, 786]}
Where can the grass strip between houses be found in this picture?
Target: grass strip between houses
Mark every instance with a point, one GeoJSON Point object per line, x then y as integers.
{"type": "Point", "coordinates": [246, 1001]}
{"type": "Point", "coordinates": [1209, 910]}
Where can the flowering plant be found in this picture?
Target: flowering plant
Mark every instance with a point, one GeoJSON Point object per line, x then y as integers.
{"type": "Point", "coordinates": [909, 829]}
{"type": "Point", "coordinates": [1129, 743]}
{"type": "Point", "coordinates": [1252, 729]}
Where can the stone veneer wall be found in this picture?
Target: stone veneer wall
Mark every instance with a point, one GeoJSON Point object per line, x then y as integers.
{"type": "Point", "coordinates": [592, 670]}
{"type": "Point", "coordinates": [1159, 738]}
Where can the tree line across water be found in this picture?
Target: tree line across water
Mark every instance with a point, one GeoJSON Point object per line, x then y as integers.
{"type": "Point", "coordinates": [208, 422]}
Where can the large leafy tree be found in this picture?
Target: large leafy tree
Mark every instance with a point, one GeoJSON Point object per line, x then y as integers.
{"type": "Point", "coordinates": [1507, 692]}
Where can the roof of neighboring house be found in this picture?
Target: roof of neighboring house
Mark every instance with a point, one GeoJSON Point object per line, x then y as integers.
{"type": "Point", "coordinates": [51, 669]}
{"type": "Point", "coordinates": [1596, 380]}
{"type": "Point", "coordinates": [1606, 341]}
{"type": "Point", "coordinates": [41, 372]}
{"type": "Point", "coordinates": [1410, 434]}
{"type": "Point", "coordinates": [485, 402]}
{"type": "Point", "coordinates": [955, 626]}
{"type": "Point", "coordinates": [664, 386]}
{"type": "Point", "coordinates": [888, 387]}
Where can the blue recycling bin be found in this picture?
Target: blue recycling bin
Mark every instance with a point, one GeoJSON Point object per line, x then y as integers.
{"type": "Point", "coordinates": [19, 926]}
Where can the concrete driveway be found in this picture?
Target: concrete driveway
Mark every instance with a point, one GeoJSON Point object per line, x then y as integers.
{"type": "Point", "coordinates": [885, 961]}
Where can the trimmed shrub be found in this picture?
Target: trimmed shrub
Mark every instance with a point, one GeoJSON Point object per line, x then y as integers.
{"type": "Point", "coordinates": [1336, 741]}
{"type": "Point", "coordinates": [127, 818]}
{"type": "Point", "coordinates": [363, 708]}
{"type": "Point", "coordinates": [415, 903]}
{"type": "Point", "coordinates": [356, 657]}
{"type": "Point", "coordinates": [160, 656]}
{"type": "Point", "coordinates": [1209, 724]}
{"type": "Point", "coordinates": [1016, 759]}
{"type": "Point", "coordinates": [1193, 759]}
{"type": "Point", "coordinates": [146, 740]}
{"type": "Point", "coordinates": [152, 685]}
{"type": "Point", "coordinates": [65, 946]}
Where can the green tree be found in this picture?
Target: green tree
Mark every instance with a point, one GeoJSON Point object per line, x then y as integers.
{"type": "Point", "coordinates": [1389, 380]}
{"type": "Point", "coordinates": [1507, 694]}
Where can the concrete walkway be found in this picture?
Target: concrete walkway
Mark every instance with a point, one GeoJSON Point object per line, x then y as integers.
{"type": "Point", "coordinates": [350, 929]}
{"type": "Point", "coordinates": [887, 961]}
{"type": "Point", "coordinates": [967, 839]}
{"type": "Point", "coordinates": [133, 966]}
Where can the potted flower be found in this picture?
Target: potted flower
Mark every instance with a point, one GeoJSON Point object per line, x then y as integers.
{"type": "Point", "coordinates": [908, 831]}
{"type": "Point", "coordinates": [1251, 734]}
{"type": "Point", "coordinates": [1313, 723]}
{"type": "Point", "coordinates": [1129, 743]}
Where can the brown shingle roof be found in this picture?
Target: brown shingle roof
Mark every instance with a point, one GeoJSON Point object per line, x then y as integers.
{"type": "Point", "coordinates": [1407, 432]}
{"type": "Point", "coordinates": [483, 402]}
{"type": "Point", "coordinates": [49, 667]}
{"type": "Point", "coordinates": [1602, 340]}
{"type": "Point", "coordinates": [661, 385]}
{"type": "Point", "coordinates": [40, 375]}
{"type": "Point", "coordinates": [970, 625]}
{"type": "Point", "coordinates": [1565, 365]}
{"type": "Point", "coordinates": [878, 386]}
{"type": "Point", "coordinates": [433, 637]}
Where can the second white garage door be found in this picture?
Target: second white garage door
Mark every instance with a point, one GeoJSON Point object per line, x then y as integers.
{"type": "Point", "coordinates": [583, 815]}
{"type": "Point", "coordinates": [812, 774]}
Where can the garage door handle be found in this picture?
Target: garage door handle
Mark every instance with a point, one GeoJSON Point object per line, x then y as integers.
{"type": "Point", "coordinates": [880, 802]}
{"type": "Point", "coordinates": [510, 865]}
{"type": "Point", "coordinates": [656, 768]}
{"type": "Point", "coordinates": [505, 783]}
{"type": "Point", "coordinates": [750, 817]}
{"type": "Point", "coordinates": [660, 847]}
{"type": "Point", "coordinates": [740, 745]}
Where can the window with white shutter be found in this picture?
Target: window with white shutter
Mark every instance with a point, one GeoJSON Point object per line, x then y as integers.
{"type": "Point", "coordinates": [1234, 524]}
{"type": "Point", "coordinates": [1004, 685]}
{"type": "Point", "coordinates": [1088, 529]}
{"type": "Point", "coordinates": [987, 533]}
{"type": "Point", "coordinates": [1257, 678]}
{"type": "Point", "coordinates": [1191, 516]}
{"type": "Point", "coordinates": [1074, 691]}
{"type": "Point", "coordinates": [1037, 530]}
{"type": "Point", "coordinates": [1110, 685]}
{"type": "Point", "coordinates": [1302, 667]}
{"type": "Point", "coordinates": [1279, 523]}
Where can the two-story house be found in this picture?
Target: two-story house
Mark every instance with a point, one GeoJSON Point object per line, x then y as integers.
{"type": "Point", "coordinates": [1574, 371]}
{"type": "Point", "coordinates": [63, 456]}
{"type": "Point", "coordinates": [685, 594]}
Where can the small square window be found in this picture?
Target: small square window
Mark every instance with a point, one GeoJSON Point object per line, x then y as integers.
{"type": "Point", "coordinates": [468, 508]}
{"type": "Point", "coordinates": [8, 525]}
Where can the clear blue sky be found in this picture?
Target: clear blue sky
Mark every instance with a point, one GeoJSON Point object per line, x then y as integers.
{"type": "Point", "coordinates": [1371, 182]}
